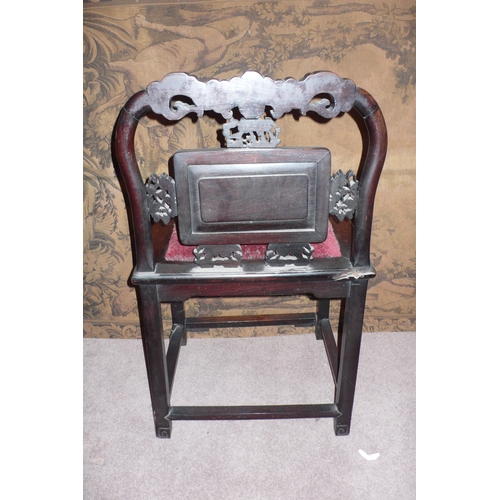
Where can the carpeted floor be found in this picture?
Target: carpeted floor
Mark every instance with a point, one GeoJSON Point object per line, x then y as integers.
{"type": "Point", "coordinates": [260, 459]}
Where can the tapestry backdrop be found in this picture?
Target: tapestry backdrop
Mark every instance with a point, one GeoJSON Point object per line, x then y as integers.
{"type": "Point", "coordinates": [128, 44]}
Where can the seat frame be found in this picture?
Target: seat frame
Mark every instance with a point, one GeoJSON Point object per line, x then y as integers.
{"type": "Point", "coordinates": [345, 278]}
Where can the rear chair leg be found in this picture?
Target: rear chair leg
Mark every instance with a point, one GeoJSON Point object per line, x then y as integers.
{"type": "Point", "coordinates": [322, 312]}
{"type": "Point", "coordinates": [179, 318]}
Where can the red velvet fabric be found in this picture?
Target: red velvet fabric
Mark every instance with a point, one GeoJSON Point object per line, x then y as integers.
{"type": "Point", "coordinates": [183, 253]}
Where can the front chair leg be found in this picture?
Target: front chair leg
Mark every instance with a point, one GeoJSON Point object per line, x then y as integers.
{"type": "Point", "coordinates": [154, 353]}
{"type": "Point", "coordinates": [349, 346]}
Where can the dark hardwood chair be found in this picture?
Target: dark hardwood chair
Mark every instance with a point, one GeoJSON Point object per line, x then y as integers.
{"type": "Point", "coordinates": [251, 219]}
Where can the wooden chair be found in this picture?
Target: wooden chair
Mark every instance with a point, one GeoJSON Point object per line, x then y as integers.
{"type": "Point", "coordinates": [251, 219]}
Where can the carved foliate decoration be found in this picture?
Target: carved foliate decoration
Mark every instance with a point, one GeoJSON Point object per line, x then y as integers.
{"type": "Point", "coordinates": [278, 254]}
{"type": "Point", "coordinates": [179, 94]}
{"type": "Point", "coordinates": [343, 195]}
{"type": "Point", "coordinates": [260, 133]}
{"type": "Point", "coordinates": [218, 255]}
{"type": "Point", "coordinates": [161, 199]}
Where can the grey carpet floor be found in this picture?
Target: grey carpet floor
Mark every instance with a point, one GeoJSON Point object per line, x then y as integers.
{"type": "Point", "coordinates": [260, 459]}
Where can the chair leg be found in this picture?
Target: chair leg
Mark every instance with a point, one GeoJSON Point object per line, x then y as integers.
{"type": "Point", "coordinates": [154, 353]}
{"type": "Point", "coordinates": [349, 346]}
{"type": "Point", "coordinates": [179, 318]}
{"type": "Point", "coordinates": [322, 312]}
{"type": "Point", "coordinates": [178, 338]}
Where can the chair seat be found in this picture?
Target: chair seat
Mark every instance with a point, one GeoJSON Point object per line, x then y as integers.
{"type": "Point", "coordinates": [177, 252]}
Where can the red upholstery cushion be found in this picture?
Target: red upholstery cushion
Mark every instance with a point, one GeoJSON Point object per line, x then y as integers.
{"type": "Point", "coordinates": [183, 253]}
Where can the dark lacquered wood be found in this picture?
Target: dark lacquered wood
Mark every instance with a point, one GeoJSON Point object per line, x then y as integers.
{"type": "Point", "coordinates": [207, 322]}
{"type": "Point", "coordinates": [179, 318]}
{"type": "Point", "coordinates": [229, 196]}
{"type": "Point", "coordinates": [253, 412]}
{"type": "Point", "coordinates": [174, 347]}
{"type": "Point", "coordinates": [330, 346]}
{"type": "Point", "coordinates": [155, 356]}
{"type": "Point", "coordinates": [349, 344]}
{"type": "Point", "coordinates": [368, 175]}
{"type": "Point", "coordinates": [322, 312]}
{"type": "Point", "coordinates": [182, 272]}
{"type": "Point", "coordinates": [345, 278]}
{"type": "Point", "coordinates": [321, 290]}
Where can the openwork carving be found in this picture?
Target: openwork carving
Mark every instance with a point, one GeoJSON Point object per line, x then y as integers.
{"type": "Point", "coordinates": [179, 94]}
{"type": "Point", "coordinates": [343, 195]}
{"type": "Point", "coordinates": [260, 133]}
{"type": "Point", "coordinates": [218, 255]}
{"type": "Point", "coordinates": [299, 254]}
{"type": "Point", "coordinates": [161, 199]}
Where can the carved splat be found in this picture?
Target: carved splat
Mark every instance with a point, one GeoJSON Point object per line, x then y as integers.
{"type": "Point", "coordinates": [161, 199]}
{"type": "Point", "coordinates": [299, 254]}
{"type": "Point", "coordinates": [343, 195]}
{"type": "Point", "coordinates": [179, 94]}
{"type": "Point", "coordinates": [260, 133]}
{"type": "Point", "coordinates": [218, 255]}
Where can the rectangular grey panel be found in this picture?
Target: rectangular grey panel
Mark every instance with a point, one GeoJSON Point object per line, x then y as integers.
{"type": "Point", "coordinates": [253, 198]}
